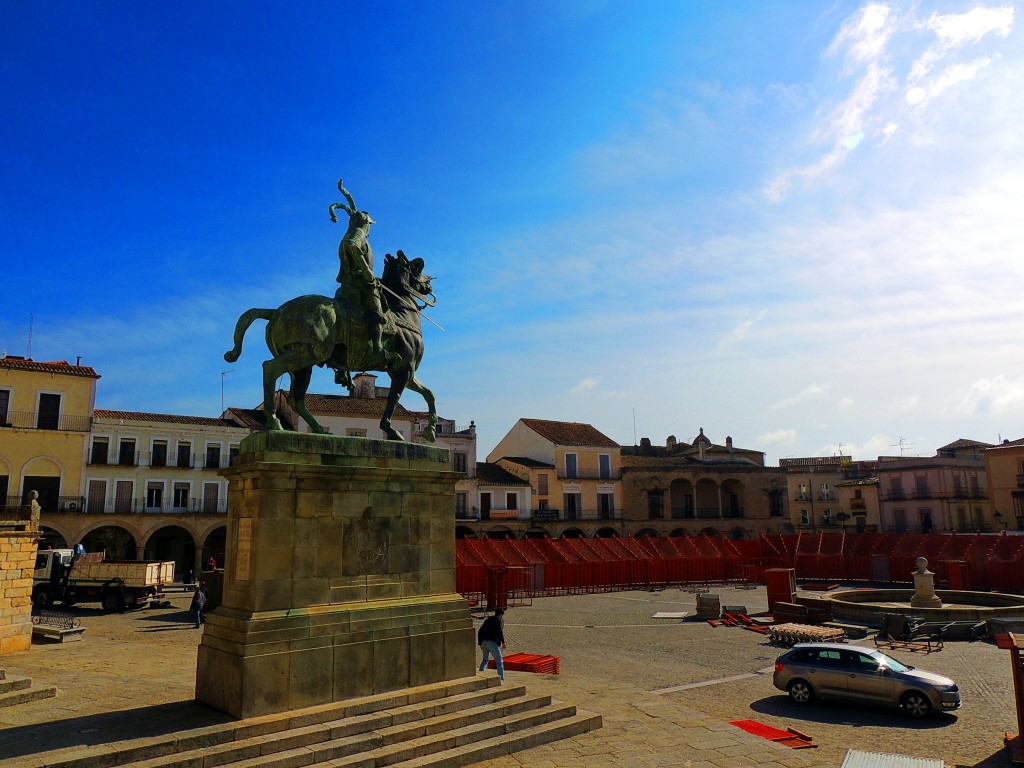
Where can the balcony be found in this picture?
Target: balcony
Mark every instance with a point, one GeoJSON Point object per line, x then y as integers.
{"type": "Point", "coordinates": [588, 474]}
{"type": "Point", "coordinates": [141, 506]}
{"type": "Point", "coordinates": [35, 420]}
{"type": "Point", "coordinates": [471, 513]}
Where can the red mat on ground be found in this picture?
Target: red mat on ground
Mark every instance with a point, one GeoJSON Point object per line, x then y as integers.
{"type": "Point", "coordinates": [788, 738]}
{"type": "Point", "coordinates": [530, 662]}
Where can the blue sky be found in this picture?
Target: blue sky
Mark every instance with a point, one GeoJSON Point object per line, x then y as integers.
{"type": "Point", "coordinates": [795, 224]}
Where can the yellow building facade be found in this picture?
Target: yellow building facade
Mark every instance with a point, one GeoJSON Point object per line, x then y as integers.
{"type": "Point", "coordinates": [1004, 471]}
{"type": "Point", "coordinates": [45, 414]}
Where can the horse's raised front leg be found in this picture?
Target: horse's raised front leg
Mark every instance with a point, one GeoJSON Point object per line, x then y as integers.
{"type": "Point", "coordinates": [399, 380]}
{"type": "Point", "coordinates": [418, 386]}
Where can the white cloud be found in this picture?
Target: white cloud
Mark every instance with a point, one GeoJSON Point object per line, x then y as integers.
{"type": "Point", "coordinates": [807, 393]}
{"type": "Point", "coordinates": [588, 384]}
{"type": "Point", "coordinates": [778, 436]}
{"type": "Point", "coordinates": [997, 395]}
{"type": "Point", "coordinates": [909, 403]}
{"type": "Point", "coordinates": [739, 332]}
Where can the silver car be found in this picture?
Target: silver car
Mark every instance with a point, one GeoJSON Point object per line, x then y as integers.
{"type": "Point", "coordinates": [836, 670]}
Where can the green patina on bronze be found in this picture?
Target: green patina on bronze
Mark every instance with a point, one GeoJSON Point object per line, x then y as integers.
{"type": "Point", "coordinates": [369, 325]}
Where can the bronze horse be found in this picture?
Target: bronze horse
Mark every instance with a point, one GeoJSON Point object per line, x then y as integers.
{"type": "Point", "coordinates": [317, 330]}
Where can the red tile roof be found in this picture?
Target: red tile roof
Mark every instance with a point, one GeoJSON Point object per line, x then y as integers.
{"type": "Point", "coordinates": [339, 405]}
{"type": "Point", "coordinates": [524, 461]}
{"type": "Point", "coordinates": [55, 367]}
{"type": "Point", "coordinates": [492, 474]}
{"type": "Point", "coordinates": [569, 433]}
{"type": "Point", "coordinates": [166, 418]}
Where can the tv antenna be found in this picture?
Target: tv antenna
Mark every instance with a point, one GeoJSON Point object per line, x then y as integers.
{"type": "Point", "coordinates": [901, 445]}
{"type": "Point", "coordinates": [222, 375]}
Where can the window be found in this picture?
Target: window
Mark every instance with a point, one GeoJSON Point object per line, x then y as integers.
{"type": "Point", "coordinates": [5, 407]}
{"type": "Point", "coordinates": [826, 492]}
{"type": "Point", "coordinates": [211, 496]}
{"type": "Point", "coordinates": [801, 492]}
{"type": "Point", "coordinates": [606, 506]}
{"type": "Point", "coordinates": [570, 466]}
{"type": "Point", "coordinates": [98, 454]}
{"type": "Point", "coordinates": [655, 505]}
{"type": "Point", "coordinates": [542, 505]}
{"type": "Point", "coordinates": [775, 503]}
{"type": "Point", "coordinates": [485, 506]}
{"type": "Point", "coordinates": [460, 505]}
{"type": "Point", "coordinates": [95, 502]}
{"type": "Point", "coordinates": [828, 657]}
{"type": "Point", "coordinates": [604, 466]}
{"type": "Point", "coordinates": [511, 501]}
{"type": "Point", "coordinates": [154, 495]}
{"type": "Point", "coordinates": [159, 454]}
{"type": "Point", "coordinates": [48, 415]}
{"type": "Point", "coordinates": [899, 519]}
{"type": "Point", "coordinates": [232, 454]}
{"type": "Point", "coordinates": [542, 485]}
{"type": "Point", "coordinates": [921, 484]}
{"type": "Point", "coordinates": [826, 516]}
{"type": "Point", "coordinates": [805, 518]}
{"type": "Point", "coordinates": [573, 506]}
{"type": "Point", "coordinates": [459, 462]}
{"type": "Point", "coordinates": [181, 495]}
{"type": "Point", "coordinates": [184, 455]}
{"type": "Point", "coordinates": [126, 452]}
{"type": "Point", "coordinates": [4, 482]}
{"type": "Point", "coordinates": [123, 492]}
{"type": "Point", "coordinates": [896, 486]}
{"type": "Point", "coordinates": [212, 456]}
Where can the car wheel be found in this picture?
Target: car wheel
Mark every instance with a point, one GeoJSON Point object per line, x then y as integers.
{"type": "Point", "coordinates": [800, 692]}
{"type": "Point", "coordinates": [916, 704]}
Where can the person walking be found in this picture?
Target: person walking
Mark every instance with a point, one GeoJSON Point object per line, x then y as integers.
{"type": "Point", "coordinates": [491, 638]}
{"type": "Point", "coordinates": [199, 603]}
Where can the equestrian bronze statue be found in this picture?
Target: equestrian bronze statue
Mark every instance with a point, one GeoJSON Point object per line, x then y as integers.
{"type": "Point", "coordinates": [369, 325]}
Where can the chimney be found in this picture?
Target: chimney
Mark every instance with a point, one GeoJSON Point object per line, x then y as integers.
{"type": "Point", "coordinates": [670, 443]}
{"type": "Point", "coordinates": [728, 442]}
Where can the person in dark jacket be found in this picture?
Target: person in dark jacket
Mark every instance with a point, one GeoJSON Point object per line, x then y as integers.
{"type": "Point", "coordinates": [491, 638]}
{"type": "Point", "coordinates": [199, 603]}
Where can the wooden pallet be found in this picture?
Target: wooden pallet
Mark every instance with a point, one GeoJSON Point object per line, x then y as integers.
{"type": "Point", "coordinates": [530, 662]}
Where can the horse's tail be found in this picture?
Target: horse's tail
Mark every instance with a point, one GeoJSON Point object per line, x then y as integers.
{"type": "Point", "coordinates": [242, 326]}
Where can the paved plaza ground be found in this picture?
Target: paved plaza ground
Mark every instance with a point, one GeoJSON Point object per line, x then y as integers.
{"type": "Point", "coordinates": [666, 688]}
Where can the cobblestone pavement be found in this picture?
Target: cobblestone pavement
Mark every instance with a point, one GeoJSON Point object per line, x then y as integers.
{"type": "Point", "coordinates": [134, 673]}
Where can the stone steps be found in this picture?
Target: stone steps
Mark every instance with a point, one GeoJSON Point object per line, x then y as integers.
{"type": "Point", "coordinates": [444, 724]}
{"type": "Point", "coordinates": [16, 690]}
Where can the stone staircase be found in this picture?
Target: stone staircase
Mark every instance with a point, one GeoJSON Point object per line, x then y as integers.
{"type": "Point", "coordinates": [16, 690]}
{"type": "Point", "coordinates": [444, 724]}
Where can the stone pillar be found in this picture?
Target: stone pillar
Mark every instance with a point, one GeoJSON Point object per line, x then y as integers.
{"type": "Point", "coordinates": [341, 575]}
{"type": "Point", "coordinates": [924, 587]}
{"type": "Point", "coordinates": [17, 564]}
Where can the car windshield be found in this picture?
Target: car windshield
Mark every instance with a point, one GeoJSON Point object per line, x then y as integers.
{"type": "Point", "coordinates": [890, 662]}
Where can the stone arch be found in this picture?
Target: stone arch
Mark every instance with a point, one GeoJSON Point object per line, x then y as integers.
{"type": "Point", "coordinates": [171, 541]}
{"type": "Point", "coordinates": [739, 533]}
{"type": "Point", "coordinates": [710, 531]}
{"type": "Point", "coordinates": [536, 533]}
{"type": "Point", "coordinates": [464, 532]}
{"type": "Point", "coordinates": [52, 538]}
{"type": "Point", "coordinates": [679, 532]}
{"type": "Point", "coordinates": [606, 533]}
{"type": "Point", "coordinates": [573, 533]}
{"type": "Point", "coordinates": [118, 542]}
{"type": "Point", "coordinates": [646, 533]}
{"type": "Point", "coordinates": [709, 499]}
{"type": "Point", "coordinates": [215, 544]}
{"type": "Point", "coordinates": [787, 528]}
{"type": "Point", "coordinates": [500, 533]}
{"type": "Point", "coordinates": [6, 468]}
{"type": "Point", "coordinates": [680, 499]}
{"type": "Point", "coordinates": [43, 466]}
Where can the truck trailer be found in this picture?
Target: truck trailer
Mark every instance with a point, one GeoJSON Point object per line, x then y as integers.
{"type": "Point", "coordinates": [62, 575]}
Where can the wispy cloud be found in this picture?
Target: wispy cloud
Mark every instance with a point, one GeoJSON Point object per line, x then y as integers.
{"type": "Point", "coordinates": [588, 384]}
{"type": "Point", "coordinates": [778, 437]}
{"type": "Point", "coordinates": [809, 392]}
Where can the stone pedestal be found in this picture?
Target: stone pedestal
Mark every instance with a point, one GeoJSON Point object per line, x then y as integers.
{"type": "Point", "coordinates": [18, 544]}
{"type": "Point", "coordinates": [924, 587]}
{"type": "Point", "coordinates": [340, 575]}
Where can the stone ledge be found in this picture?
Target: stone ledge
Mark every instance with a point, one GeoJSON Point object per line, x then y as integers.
{"type": "Point", "coordinates": [329, 446]}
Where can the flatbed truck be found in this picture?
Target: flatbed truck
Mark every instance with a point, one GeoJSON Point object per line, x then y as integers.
{"type": "Point", "coordinates": [62, 575]}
